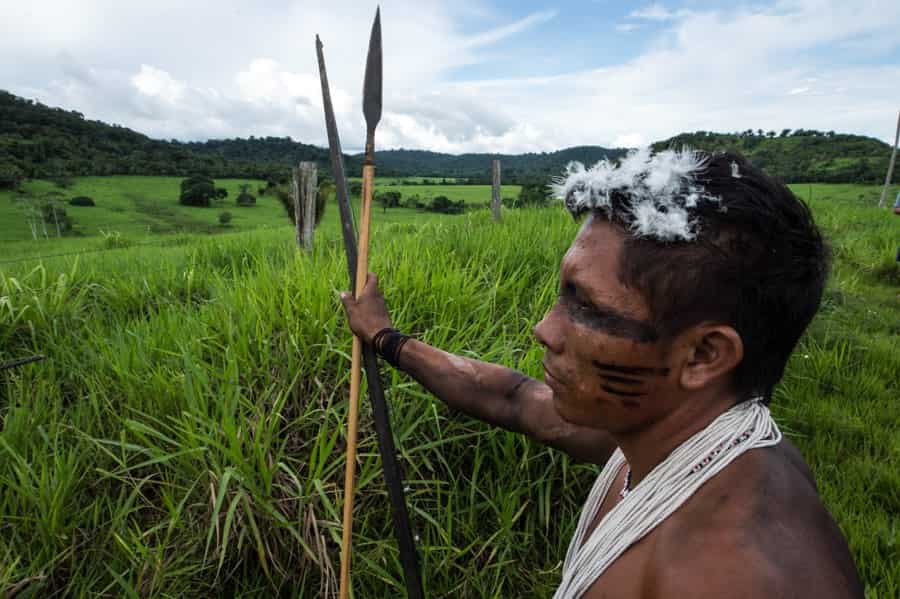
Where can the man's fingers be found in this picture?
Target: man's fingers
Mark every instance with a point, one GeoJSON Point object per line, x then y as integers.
{"type": "Point", "coordinates": [371, 284]}
{"type": "Point", "coordinates": [346, 298]}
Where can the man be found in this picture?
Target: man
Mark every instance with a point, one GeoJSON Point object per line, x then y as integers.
{"type": "Point", "coordinates": [681, 299]}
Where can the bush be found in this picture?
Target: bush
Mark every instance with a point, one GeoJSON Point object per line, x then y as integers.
{"type": "Point", "coordinates": [245, 199]}
{"type": "Point", "coordinates": [81, 201]}
{"type": "Point", "coordinates": [224, 218]}
{"type": "Point", "coordinates": [197, 190]}
{"type": "Point", "coordinates": [413, 201]}
{"type": "Point", "coordinates": [445, 205]}
{"type": "Point", "coordinates": [10, 176]}
{"type": "Point", "coordinates": [534, 194]}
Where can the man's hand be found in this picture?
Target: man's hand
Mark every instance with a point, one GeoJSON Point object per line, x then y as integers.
{"type": "Point", "coordinates": [368, 314]}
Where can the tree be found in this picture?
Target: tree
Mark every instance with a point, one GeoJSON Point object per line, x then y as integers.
{"type": "Point", "coordinates": [197, 190]}
{"type": "Point", "coordinates": [10, 176]}
{"type": "Point", "coordinates": [53, 213]}
{"type": "Point", "coordinates": [534, 194]}
{"type": "Point", "coordinates": [224, 218]}
{"type": "Point", "coordinates": [388, 199]}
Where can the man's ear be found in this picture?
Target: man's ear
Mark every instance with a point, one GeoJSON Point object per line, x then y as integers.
{"type": "Point", "coordinates": [711, 352]}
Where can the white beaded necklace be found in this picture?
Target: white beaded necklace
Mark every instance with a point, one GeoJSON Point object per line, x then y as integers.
{"type": "Point", "coordinates": [746, 426]}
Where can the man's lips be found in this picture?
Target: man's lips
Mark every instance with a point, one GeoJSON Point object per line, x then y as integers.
{"type": "Point", "coordinates": [549, 377]}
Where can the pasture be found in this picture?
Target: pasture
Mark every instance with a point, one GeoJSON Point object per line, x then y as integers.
{"type": "Point", "coordinates": [185, 435]}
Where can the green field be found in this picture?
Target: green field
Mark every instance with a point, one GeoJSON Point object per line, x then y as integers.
{"type": "Point", "coordinates": [145, 210]}
{"type": "Point", "coordinates": [184, 436]}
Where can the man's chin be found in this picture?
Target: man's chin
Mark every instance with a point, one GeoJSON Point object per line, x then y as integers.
{"type": "Point", "coordinates": [559, 404]}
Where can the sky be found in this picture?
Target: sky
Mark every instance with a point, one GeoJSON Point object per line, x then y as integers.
{"type": "Point", "coordinates": [507, 76]}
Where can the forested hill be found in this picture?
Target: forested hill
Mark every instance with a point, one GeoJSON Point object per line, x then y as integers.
{"type": "Point", "coordinates": [37, 141]}
{"type": "Point", "coordinates": [478, 166]}
{"type": "Point", "coordinates": [800, 155]}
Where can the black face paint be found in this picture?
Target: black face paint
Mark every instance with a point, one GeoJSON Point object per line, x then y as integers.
{"type": "Point", "coordinates": [641, 371]}
{"type": "Point", "coordinates": [609, 389]}
{"type": "Point", "coordinates": [605, 319]}
{"type": "Point", "coordinates": [622, 379]}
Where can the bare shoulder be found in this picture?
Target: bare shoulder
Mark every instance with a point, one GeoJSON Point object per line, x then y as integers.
{"type": "Point", "coordinates": [757, 527]}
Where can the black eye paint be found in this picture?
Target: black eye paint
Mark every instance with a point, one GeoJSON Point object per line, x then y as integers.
{"type": "Point", "coordinates": [605, 319]}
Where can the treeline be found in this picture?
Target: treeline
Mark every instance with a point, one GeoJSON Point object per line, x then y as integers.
{"type": "Point", "coordinates": [476, 168]}
{"type": "Point", "coordinates": [801, 155]}
{"type": "Point", "coordinates": [37, 141]}
{"type": "Point", "coordinates": [40, 142]}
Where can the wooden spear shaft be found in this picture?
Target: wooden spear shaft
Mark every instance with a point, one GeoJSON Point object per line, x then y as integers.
{"type": "Point", "coordinates": [362, 262]}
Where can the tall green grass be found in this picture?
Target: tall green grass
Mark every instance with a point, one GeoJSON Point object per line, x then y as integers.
{"type": "Point", "coordinates": [185, 435]}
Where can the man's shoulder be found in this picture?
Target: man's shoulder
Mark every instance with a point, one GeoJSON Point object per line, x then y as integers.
{"type": "Point", "coordinates": [760, 527]}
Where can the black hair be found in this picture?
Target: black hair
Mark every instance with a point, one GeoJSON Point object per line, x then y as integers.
{"type": "Point", "coordinates": [758, 263]}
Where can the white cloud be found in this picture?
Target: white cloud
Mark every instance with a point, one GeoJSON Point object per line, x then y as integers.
{"type": "Point", "coordinates": [253, 72]}
{"type": "Point", "coordinates": [157, 83]}
{"type": "Point", "coordinates": [630, 140]}
{"type": "Point", "coordinates": [627, 27]}
{"type": "Point", "coordinates": [495, 35]}
{"type": "Point", "coordinates": [656, 12]}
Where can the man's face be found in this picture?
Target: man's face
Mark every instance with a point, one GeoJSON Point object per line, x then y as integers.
{"type": "Point", "coordinates": [603, 360]}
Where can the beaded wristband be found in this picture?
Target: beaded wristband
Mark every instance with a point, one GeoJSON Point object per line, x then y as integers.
{"type": "Point", "coordinates": [388, 342]}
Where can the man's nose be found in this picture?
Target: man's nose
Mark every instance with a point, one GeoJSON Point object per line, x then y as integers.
{"type": "Point", "coordinates": [548, 331]}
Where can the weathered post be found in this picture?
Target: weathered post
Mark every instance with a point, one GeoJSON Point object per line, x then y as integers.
{"type": "Point", "coordinates": [890, 173]}
{"type": "Point", "coordinates": [495, 189]}
{"type": "Point", "coordinates": [304, 190]}
{"type": "Point", "coordinates": [309, 185]}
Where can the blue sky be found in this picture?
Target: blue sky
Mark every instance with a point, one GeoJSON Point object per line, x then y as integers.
{"type": "Point", "coordinates": [466, 75]}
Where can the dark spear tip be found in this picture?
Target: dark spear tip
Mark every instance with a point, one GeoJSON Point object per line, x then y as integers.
{"type": "Point", "coordinates": [372, 83]}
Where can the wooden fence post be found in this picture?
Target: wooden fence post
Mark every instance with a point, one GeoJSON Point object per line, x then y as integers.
{"type": "Point", "coordinates": [495, 189]}
{"type": "Point", "coordinates": [305, 188]}
{"type": "Point", "coordinates": [890, 173]}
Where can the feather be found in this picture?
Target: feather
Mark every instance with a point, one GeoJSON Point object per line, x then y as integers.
{"type": "Point", "coordinates": [660, 191]}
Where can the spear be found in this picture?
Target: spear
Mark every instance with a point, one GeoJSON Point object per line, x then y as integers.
{"type": "Point", "coordinates": [392, 474]}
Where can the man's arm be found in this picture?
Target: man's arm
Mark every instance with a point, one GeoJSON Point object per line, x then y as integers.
{"type": "Point", "coordinates": [492, 393]}
{"type": "Point", "coordinates": [502, 397]}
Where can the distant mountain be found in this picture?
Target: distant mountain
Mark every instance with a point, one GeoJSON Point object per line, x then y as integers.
{"type": "Point", "coordinates": [477, 167]}
{"type": "Point", "coordinates": [37, 141]}
{"type": "Point", "coordinates": [799, 155]}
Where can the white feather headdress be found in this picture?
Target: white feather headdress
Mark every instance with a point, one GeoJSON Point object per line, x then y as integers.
{"type": "Point", "coordinates": [656, 193]}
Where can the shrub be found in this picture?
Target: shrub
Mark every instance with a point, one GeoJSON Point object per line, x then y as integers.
{"type": "Point", "coordinates": [413, 201]}
{"type": "Point", "coordinates": [10, 176]}
{"type": "Point", "coordinates": [197, 190]}
{"type": "Point", "coordinates": [224, 218]}
{"type": "Point", "coordinates": [445, 205]}
{"type": "Point", "coordinates": [82, 201]}
{"type": "Point", "coordinates": [245, 199]}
